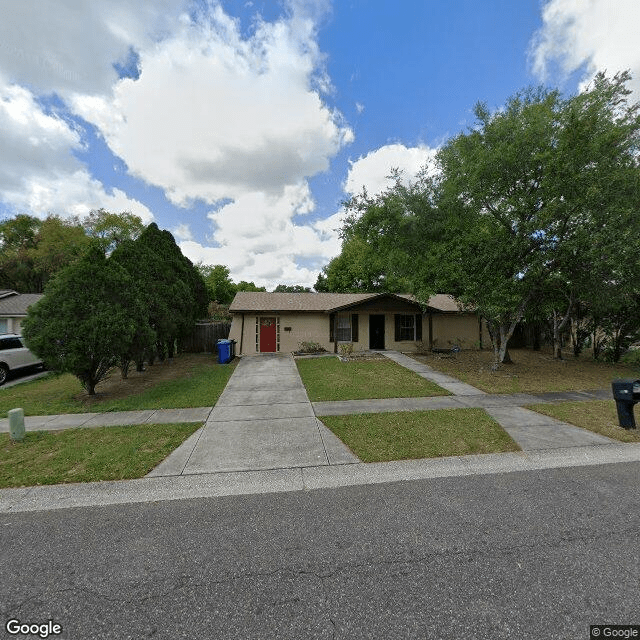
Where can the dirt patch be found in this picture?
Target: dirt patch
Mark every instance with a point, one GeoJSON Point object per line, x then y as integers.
{"type": "Point", "coordinates": [115, 388]}
{"type": "Point", "coordinates": [531, 371]}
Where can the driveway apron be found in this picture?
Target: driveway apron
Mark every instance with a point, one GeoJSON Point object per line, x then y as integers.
{"type": "Point", "coordinates": [264, 420]}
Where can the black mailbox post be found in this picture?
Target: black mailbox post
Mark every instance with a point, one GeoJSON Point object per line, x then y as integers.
{"type": "Point", "coordinates": [626, 393]}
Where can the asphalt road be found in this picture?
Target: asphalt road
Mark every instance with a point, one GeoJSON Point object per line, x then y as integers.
{"type": "Point", "coordinates": [520, 556]}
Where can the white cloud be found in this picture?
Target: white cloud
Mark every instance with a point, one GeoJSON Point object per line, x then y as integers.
{"type": "Point", "coordinates": [598, 35]}
{"type": "Point", "coordinates": [183, 232]}
{"type": "Point", "coordinates": [71, 45]}
{"type": "Point", "coordinates": [372, 171]}
{"type": "Point", "coordinates": [216, 116]}
{"type": "Point", "coordinates": [259, 242]}
{"type": "Point", "coordinates": [213, 115]}
{"type": "Point", "coordinates": [39, 172]}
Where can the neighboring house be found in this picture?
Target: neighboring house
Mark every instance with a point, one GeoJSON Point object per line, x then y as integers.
{"type": "Point", "coordinates": [271, 322]}
{"type": "Point", "coordinates": [13, 309]}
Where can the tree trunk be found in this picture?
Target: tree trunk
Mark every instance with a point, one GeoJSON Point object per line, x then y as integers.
{"type": "Point", "coordinates": [558, 326]}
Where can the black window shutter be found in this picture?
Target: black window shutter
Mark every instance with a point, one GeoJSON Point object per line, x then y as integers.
{"type": "Point", "coordinates": [354, 327]}
{"type": "Point", "coordinates": [397, 321]}
{"type": "Point", "coordinates": [418, 326]}
{"type": "Point", "coordinates": [332, 317]}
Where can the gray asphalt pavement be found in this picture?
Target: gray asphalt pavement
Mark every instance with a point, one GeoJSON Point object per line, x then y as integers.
{"type": "Point", "coordinates": [535, 555]}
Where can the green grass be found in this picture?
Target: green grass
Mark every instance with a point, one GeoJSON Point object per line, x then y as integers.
{"type": "Point", "coordinates": [88, 455]}
{"type": "Point", "coordinates": [531, 371]}
{"type": "Point", "coordinates": [381, 437]}
{"type": "Point", "coordinates": [54, 394]}
{"type": "Point", "coordinates": [332, 379]}
{"type": "Point", "coordinates": [599, 416]}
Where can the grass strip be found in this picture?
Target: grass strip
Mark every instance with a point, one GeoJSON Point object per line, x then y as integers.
{"type": "Point", "coordinates": [381, 437]}
{"type": "Point", "coordinates": [88, 455]}
{"type": "Point", "coordinates": [56, 394]}
{"type": "Point", "coordinates": [332, 379]}
{"type": "Point", "coordinates": [599, 416]}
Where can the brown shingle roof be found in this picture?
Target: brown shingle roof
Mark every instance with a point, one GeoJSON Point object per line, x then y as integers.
{"type": "Point", "coordinates": [17, 305]}
{"type": "Point", "coordinates": [248, 301]}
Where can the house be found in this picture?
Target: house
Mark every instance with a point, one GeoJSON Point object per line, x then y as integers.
{"type": "Point", "coordinates": [13, 309]}
{"type": "Point", "coordinates": [279, 322]}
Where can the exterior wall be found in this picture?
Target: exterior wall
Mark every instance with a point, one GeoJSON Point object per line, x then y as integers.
{"type": "Point", "coordinates": [461, 330]}
{"type": "Point", "coordinates": [305, 327]}
{"type": "Point", "coordinates": [448, 329]}
{"type": "Point", "coordinates": [10, 325]}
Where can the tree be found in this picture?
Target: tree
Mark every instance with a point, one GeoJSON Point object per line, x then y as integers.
{"type": "Point", "coordinates": [17, 239]}
{"type": "Point", "coordinates": [111, 229]}
{"type": "Point", "coordinates": [218, 283]}
{"type": "Point", "coordinates": [85, 319]}
{"type": "Point", "coordinates": [243, 285]}
{"type": "Point", "coordinates": [358, 269]}
{"type": "Point", "coordinates": [534, 188]}
{"type": "Point", "coordinates": [291, 288]}
{"type": "Point", "coordinates": [34, 250]}
{"type": "Point", "coordinates": [527, 196]}
{"type": "Point", "coordinates": [171, 288]}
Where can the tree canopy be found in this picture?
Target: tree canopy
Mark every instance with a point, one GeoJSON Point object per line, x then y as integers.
{"type": "Point", "coordinates": [521, 206]}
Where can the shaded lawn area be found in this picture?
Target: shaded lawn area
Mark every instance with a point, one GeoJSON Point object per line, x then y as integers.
{"type": "Point", "coordinates": [189, 380]}
{"type": "Point", "coordinates": [381, 437]}
{"type": "Point", "coordinates": [88, 455]}
{"type": "Point", "coordinates": [332, 379]}
{"type": "Point", "coordinates": [599, 416]}
{"type": "Point", "coordinates": [531, 371]}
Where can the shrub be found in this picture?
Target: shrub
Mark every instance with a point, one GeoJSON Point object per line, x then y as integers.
{"type": "Point", "coordinates": [310, 347]}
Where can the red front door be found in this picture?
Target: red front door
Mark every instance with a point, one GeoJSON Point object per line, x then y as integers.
{"type": "Point", "coordinates": [267, 335]}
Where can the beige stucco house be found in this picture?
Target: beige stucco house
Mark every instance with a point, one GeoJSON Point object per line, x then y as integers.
{"type": "Point", "coordinates": [279, 322]}
{"type": "Point", "coordinates": [13, 309]}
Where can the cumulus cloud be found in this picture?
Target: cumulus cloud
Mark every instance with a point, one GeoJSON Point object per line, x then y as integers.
{"type": "Point", "coordinates": [39, 172]}
{"type": "Point", "coordinates": [214, 115]}
{"type": "Point", "coordinates": [268, 248]}
{"type": "Point", "coordinates": [591, 36]}
{"type": "Point", "coordinates": [206, 112]}
{"type": "Point", "coordinates": [72, 45]}
{"type": "Point", "coordinates": [372, 171]}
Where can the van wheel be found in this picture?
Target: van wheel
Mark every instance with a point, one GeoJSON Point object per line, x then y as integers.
{"type": "Point", "coordinates": [4, 372]}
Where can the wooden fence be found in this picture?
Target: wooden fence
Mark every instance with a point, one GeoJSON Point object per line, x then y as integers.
{"type": "Point", "coordinates": [204, 337]}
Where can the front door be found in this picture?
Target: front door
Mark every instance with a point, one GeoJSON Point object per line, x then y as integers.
{"type": "Point", "coordinates": [267, 335]}
{"type": "Point", "coordinates": [376, 332]}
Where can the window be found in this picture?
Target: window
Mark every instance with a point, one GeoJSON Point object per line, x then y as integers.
{"type": "Point", "coordinates": [343, 329]}
{"type": "Point", "coordinates": [10, 343]}
{"type": "Point", "coordinates": [3, 325]}
{"type": "Point", "coordinates": [408, 327]}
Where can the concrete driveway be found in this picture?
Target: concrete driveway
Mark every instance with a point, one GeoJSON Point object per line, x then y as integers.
{"type": "Point", "coordinates": [262, 420]}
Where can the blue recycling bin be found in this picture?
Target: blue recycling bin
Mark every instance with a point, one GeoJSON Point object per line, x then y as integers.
{"type": "Point", "coordinates": [224, 351]}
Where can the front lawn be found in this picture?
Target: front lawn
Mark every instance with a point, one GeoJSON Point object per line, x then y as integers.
{"type": "Point", "coordinates": [88, 455]}
{"type": "Point", "coordinates": [332, 379]}
{"type": "Point", "coordinates": [381, 437]}
{"type": "Point", "coordinates": [531, 371]}
{"type": "Point", "coordinates": [189, 380]}
{"type": "Point", "coordinates": [599, 416]}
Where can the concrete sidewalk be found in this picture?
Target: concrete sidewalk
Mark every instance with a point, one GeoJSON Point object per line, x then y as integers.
{"type": "Point", "coordinates": [530, 430]}
{"type": "Point", "coordinates": [262, 420]}
{"type": "Point", "coordinates": [110, 419]}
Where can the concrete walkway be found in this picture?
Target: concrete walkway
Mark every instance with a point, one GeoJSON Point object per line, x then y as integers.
{"type": "Point", "coordinates": [262, 420]}
{"type": "Point", "coordinates": [530, 430]}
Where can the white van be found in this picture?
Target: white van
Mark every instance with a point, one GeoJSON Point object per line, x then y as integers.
{"type": "Point", "coordinates": [14, 356]}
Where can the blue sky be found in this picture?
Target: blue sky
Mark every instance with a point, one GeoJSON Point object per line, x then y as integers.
{"type": "Point", "coordinates": [242, 126]}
